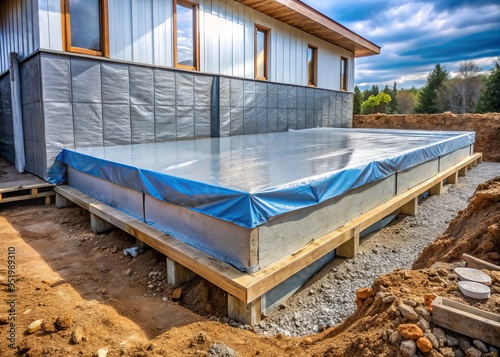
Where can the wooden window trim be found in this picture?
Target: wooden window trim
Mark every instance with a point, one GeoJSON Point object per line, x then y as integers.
{"type": "Point", "coordinates": [267, 33]}
{"type": "Point", "coordinates": [315, 66]}
{"type": "Point", "coordinates": [196, 45]}
{"type": "Point", "coordinates": [344, 76]}
{"type": "Point", "coordinates": [66, 27]}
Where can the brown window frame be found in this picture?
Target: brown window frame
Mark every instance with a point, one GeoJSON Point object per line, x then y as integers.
{"type": "Point", "coordinates": [267, 33]}
{"type": "Point", "coordinates": [314, 82]}
{"type": "Point", "coordinates": [196, 36]}
{"type": "Point", "coordinates": [66, 24]}
{"type": "Point", "coordinates": [344, 61]}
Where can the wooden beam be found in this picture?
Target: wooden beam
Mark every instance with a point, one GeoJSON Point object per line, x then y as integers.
{"type": "Point", "coordinates": [411, 207]}
{"type": "Point", "coordinates": [473, 262]}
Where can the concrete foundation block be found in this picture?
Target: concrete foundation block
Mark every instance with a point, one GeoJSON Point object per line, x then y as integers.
{"type": "Point", "coordinates": [178, 274]}
{"type": "Point", "coordinates": [99, 225]}
{"type": "Point", "coordinates": [242, 312]}
{"type": "Point", "coordinates": [62, 202]}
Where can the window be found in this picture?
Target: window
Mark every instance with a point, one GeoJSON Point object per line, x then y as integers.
{"type": "Point", "coordinates": [85, 26]}
{"type": "Point", "coordinates": [343, 73]}
{"type": "Point", "coordinates": [312, 61]}
{"type": "Point", "coordinates": [261, 52]}
{"type": "Point", "coordinates": [186, 45]}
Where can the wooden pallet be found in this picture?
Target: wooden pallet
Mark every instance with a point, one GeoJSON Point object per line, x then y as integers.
{"type": "Point", "coordinates": [245, 291]}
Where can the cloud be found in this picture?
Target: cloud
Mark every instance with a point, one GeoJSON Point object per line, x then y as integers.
{"type": "Point", "coordinates": [414, 35]}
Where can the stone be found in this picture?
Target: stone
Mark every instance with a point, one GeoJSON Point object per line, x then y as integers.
{"type": "Point", "coordinates": [219, 349]}
{"type": "Point", "coordinates": [410, 302]}
{"type": "Point", "coordinates": [408, 348]}
{"type": "Point", "coordinates": [440, 336]}
{"type": "Point", "coordinates": [447, 352]}
{"type": "Point", "coordinates": [493, 349]}
{"type": "Point", "coordinates": [473, 352]}
{"type": "Point", "coordinates": [424, 325]}
{"type": "Point", "coordinates": [395, 337]}
{"type": "Point", "coordinates": [463, 343]}
{"type": "Point", "coordinates": [49, 327]}
{"type": "Point", "coordinates": [364, 293]}
{"type": "Point", "coordinates": [424, 344]}
{"type": "Point", "coordinates": [408, 312]}
{"type": "Point", "coordinates": [64, 322]}
{"type": "Point", "coordinates": [77, 336]}
{"type": "Point", "coordinates": [459, 353]}
{"type": "Point", "coordinates": [451, 341]}
{"type": "Point", "coordinates": [102, 352]}
{"type": "Point", "coordinates": [307, 341]}
{"type": "Point", "coordinates": [176, 294]}
{"type": "Point", "coordinates": [495, 277]}
{"type": "Point", "coordinates": [422, 311]}
{"type": "Point", "coordinates": [34, 326]}
{"type": "Point", "coordinates": [432, 339]}
{"type": "Point", "coordinates": [480, 346]}
{"type": "Point", "coordinates": [359, 302]}
{"type": "Point", "coordinates": [389, 299]}
{"type": "Point", "coordinates": [410, 331]}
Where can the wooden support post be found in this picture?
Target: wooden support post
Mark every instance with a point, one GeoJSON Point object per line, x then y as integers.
{"type": "Point", "coordinates": [410, 208]}
{"type": "Point", "coordinates": [141, 245]}
{"type": "Point", "coordinates": [48, 200]}
{"type": "Point", "coordinates": [462, 171]}
{"type": "Point", "coordinates": [474, 163]}
{"type": "Point", "coordinates": [480, 159]}
{"type": "Point", "coordinates": [453, 178]}
{"type": "Point", "coordinates": [469, 166]}
{"type": "Point", "coordinates": [243, 313]}
{"type": "Point", "coordinates": [63, 202]}
{"type": "Point", "coordinates": [436, 189]}
{"type": "Point", "coordinates": [99, 225]}
{"type": "Point", "coordinates": [350, 248]}
{"type": "Point", "coordinates": [178, 274]}
{"type": "Point", "coordinates": [34, 192]}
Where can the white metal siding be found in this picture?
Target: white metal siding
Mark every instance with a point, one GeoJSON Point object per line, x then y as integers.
{"type": "Point", "coordinates": [142, 31]}
{"type": "Point", "coordinates": [18, 29]}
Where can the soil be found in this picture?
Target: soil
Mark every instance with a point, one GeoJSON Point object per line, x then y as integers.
{"type": "Point", "coordinates": [486, 126]}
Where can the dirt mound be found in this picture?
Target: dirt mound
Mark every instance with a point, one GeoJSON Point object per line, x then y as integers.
{"type": "Point", "coordinates": [486, 126]}
{"type": "Point", "coordinates": [475, 230]}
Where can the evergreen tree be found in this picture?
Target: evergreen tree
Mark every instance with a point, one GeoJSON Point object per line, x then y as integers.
{"type": "Point", "coordinates": [357, 100]}
{"type": "Point", "coordinates": [393, 105]}
{"type": "Point", "coordinates": [489, 101]}
{"type": "Point", "coordinates": [428, 96]}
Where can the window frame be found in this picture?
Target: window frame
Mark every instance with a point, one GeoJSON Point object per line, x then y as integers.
{"type": "Point", "coordinates": [344, 62]}
{"type": "Point", "coordinates": [196, 36]}
{"type": "Point", "coordinates": [314, 59]}
{"type": "Point", "coordinates": [66, 27]}
{"type": "Point", "coordinates": [267, 33]}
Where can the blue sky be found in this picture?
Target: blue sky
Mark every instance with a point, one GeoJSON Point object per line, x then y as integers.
{"type": "Point", "coordinates": [415, 35]}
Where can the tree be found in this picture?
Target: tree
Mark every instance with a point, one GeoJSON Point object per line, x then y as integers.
{"type": "Point", "coordinates": [374, 101]}
{"type": "Point", "coordinates": [357, 101]}
{"type": "Point", "coordinates": [393, 105]}
{"type": "Point", "coordinates": [405, 101]}
{"type": "Point", "coordinates": [428, 97]}
{"type": "Point", "coordinates": [461, 93]}
{"type": "Point", "coordinates": [489, 101]}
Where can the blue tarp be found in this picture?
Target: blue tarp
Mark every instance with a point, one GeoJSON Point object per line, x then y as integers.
{"type": "Point", "coordinates": [249, 179]}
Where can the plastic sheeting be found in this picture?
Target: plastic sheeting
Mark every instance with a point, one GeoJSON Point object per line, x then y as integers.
{"type": "Point", "coordinates": [249, 179]}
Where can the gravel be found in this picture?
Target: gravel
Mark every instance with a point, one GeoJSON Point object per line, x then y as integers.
{"type": "Point", "coordinates": [328, 297]}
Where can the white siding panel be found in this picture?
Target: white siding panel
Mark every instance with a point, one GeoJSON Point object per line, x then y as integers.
{"type": "Point", "coordinates": [55, 25]}
{"type": "Point", "coordinates": [18, 30]}
{"type": "Point", "coordinates": [43, 23]}
{"type": "Point", "coordinates": [249, 44]}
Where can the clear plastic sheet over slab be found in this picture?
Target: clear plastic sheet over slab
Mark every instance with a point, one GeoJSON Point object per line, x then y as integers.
{"type": "Point", "coordinates": [249, 179]}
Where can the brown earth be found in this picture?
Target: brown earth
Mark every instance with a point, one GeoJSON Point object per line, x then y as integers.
{"type": "Point", "coordinates": [122, 303]}
{"type": "Point", "coordinates": [486, 126]}
{"type": "Point", "coordinates": [475, 230]}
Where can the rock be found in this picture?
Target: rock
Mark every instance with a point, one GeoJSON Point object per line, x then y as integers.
{"type": "Point", "coordinates": [447, 352]}
{"type": "Point", "coordinates": [459, 353]}
{"type": "Point", "coordinates": [424, 325]}
{"type": "Point", "coordinates": [34, 326]}
{"type": "Point", "coordinates": [424, 344]}
{"type": "Point", "coordinates": [77, 336]}
{"type": "Point", "coordinates": [493, 349]}
{"type": "Point", "coordinates": [410, 302]}
{"type": "Point", "coordinates": [307, 341]}
{"type": "Point", "coordinates": [176, 294]}
{"type": "Point", "coordinates": [463, 343]}
{"type": "Point", "coordinates": [64, 322]}
{"type": "Point", "coordinates": [359, 302]}
{"type": "Point", "coordinates": [410, 331]}
{"type": "Point", "coordinates": [395, 337]}
{"type": "Point", "coordinates": [432, 339]}
{"type": "Point", "coordinates": [408, 312]}
{"type": "Point", "coordinates": [422, 311]}
{"type": "Point", "coordinates": [440, 335]}
{"type": "Point", "coordinates": [480, 346]}
{"type": "Point", "coordinates": [364, 293]}
{"type": "Point", "coordinates": [495, 277]}
{"type": "Point", "coordinates": [102, 352]}
{"type": "Point", "coordinates": [49, 327]}
{"type": "Point", "coordinates": [408, 348]}
{"type": "Point", "coordinates": [389, 299]}
{"type": "Point", "coordinates": [451, 341]}
{"type": "Point", "coordinates": [221, 350]}
{"type": "Point", "coordinates": [473, 352]}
